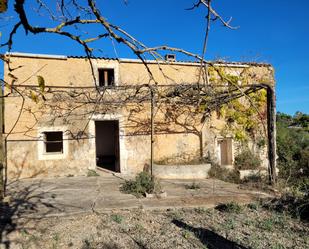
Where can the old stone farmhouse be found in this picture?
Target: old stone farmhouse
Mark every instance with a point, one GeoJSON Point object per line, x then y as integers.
{"type": "Point", "coordinates": [64, 115]}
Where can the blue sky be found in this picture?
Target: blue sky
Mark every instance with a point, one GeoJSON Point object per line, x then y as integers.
{"type": "Point", "coordinates": [272, 31]}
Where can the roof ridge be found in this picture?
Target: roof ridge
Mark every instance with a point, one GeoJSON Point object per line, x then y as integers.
{"type": "Point", "coordinates": [189, 62]}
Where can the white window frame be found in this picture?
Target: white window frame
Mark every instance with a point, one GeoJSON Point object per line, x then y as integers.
{"type": "Point", "coordinates": [42, 154]}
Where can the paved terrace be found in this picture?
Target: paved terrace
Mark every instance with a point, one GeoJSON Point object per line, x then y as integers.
{"type": "Point", "coordinates": [73, 195]}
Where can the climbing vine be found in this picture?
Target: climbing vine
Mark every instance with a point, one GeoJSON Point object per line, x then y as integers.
{"type": "Point", "coordinates": [242, 118]}
{"type": "Point", "coordinates": [245, 116]}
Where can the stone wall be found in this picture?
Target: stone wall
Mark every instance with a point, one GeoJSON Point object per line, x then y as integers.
{"type": "Point", "coordinates": [180, 137]}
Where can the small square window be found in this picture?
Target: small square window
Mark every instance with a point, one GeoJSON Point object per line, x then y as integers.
{"type": "Point", "coordinates": [106, 77]}
{"type": "Point", "coordinates": [53, 141]}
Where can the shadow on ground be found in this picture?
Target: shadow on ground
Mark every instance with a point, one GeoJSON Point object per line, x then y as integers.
{"type": "Point", "coordinates": [21, 200]}
{"type": "Point", "coordinates": [209, 238]}
{"type": "Point", "coordinates": [33, 199]}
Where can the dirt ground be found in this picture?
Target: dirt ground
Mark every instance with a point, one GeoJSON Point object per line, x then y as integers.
{"type": "Point", "coordinates": [250, 227]}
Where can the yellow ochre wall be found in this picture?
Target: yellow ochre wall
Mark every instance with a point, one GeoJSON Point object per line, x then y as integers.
{"type": "Point", "coordinates": [177, 145]}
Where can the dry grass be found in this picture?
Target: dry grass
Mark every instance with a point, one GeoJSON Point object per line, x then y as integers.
{"type": "Point", "coordinates": [251, 227]}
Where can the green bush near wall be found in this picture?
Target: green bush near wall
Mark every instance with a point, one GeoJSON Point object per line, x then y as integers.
{"type": "Point", "coordinates": [247, 160]}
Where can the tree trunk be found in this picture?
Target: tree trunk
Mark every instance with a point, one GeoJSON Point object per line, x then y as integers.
{"type": "Point", "coordinates": [271, 130]}
{"type": "Point", "coordinates": [152, 128]}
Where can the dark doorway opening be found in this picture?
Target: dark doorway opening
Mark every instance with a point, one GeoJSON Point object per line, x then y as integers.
{"type": "Point", "coordinates": [107, 144]}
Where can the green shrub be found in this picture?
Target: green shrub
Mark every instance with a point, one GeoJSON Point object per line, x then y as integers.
{"type": "Point", "coordinates": [143, 183]}
{"type": "Point", "coordinates": [221, 173]}
{"type": "Point", "coordinates": [293, 147]}
{"type": "Point", "coordinates": [294, 203]}
{"type": "Point", "coordinates": [247, 160]}
{"type": "Point", "coordinates": [254, 178]}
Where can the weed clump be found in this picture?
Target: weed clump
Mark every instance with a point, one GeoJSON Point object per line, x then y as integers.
{"type": "Point", "coordinates": [253, 206]}
{"type": "Point", "coordinates": [231, 207]}
{"type": "Point", "coordinates": [91, 173]}
{"type": "Point", "coordinates": [193, 186]}
{"type": "Point", "coordinates": [143, 183]}
{"type": "Point", "coordinates": [117, 218]}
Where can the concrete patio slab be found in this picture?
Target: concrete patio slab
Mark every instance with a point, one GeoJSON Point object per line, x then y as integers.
{"type": "Point", "coordinates": [72, 195]}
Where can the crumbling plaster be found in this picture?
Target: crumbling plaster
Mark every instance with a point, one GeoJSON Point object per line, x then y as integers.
{"type": "Point", "coordinates": [24, 157]}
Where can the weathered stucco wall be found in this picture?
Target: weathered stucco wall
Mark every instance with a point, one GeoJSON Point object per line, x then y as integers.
{"type": "Point", "coordinates": [180, 135]}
